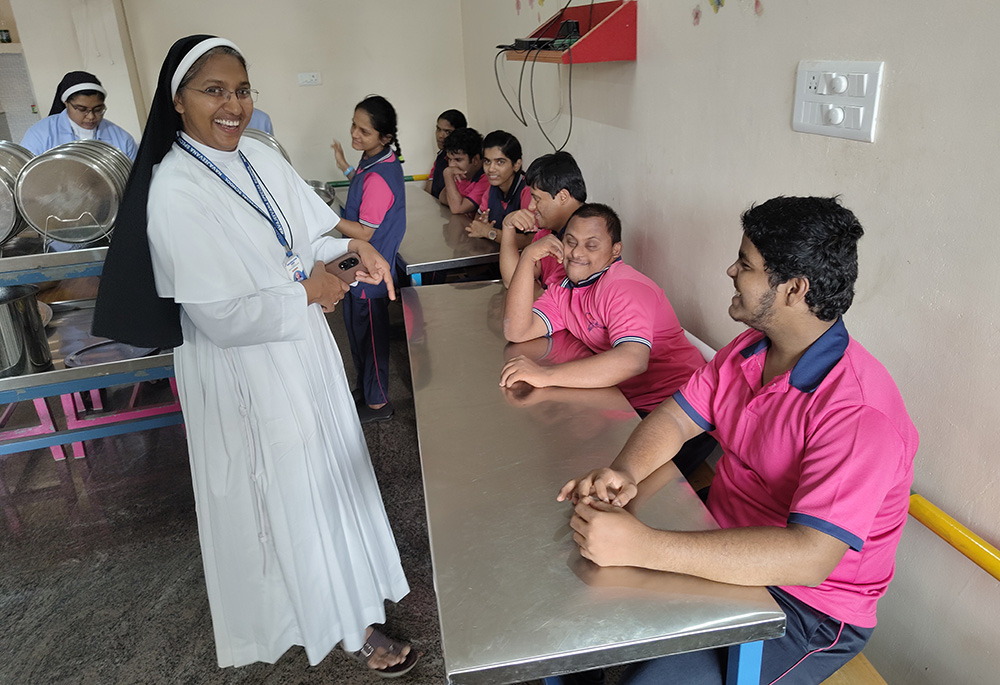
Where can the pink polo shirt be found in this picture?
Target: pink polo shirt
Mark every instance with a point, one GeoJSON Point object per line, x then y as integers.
{"type": "Point", "coordinates": [474, 188]}
{"type": "Point", "coordinates": [619, 305]}
{"type": "Point", "coordinates": [827, 445]}
{"type": "Point", "coordinates": [551, 272]}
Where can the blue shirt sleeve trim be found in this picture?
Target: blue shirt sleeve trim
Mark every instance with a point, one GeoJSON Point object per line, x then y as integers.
{"type": "Point", "coordinates": [545, 320]}
{"type": "Point", "coordinates": [692, 414]}
{"type": "Point", "coordinates": [850, 539]}
{"type": "Point", "coordinates": [632, 338]}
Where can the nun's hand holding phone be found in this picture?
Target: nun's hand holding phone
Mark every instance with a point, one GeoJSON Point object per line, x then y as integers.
{"type": "Point", "coordinates": [324, 288]}
{"type": "Point", "coordinates": [377, 269]}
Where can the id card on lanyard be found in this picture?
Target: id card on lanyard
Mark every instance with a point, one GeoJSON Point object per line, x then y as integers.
{"type": "Point", "coordinates": [292, 262]}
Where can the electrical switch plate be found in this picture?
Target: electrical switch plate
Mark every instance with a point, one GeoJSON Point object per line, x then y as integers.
{"type": "Point", "coordinates": [309, 78]}
{"type": "Point", "coordinates": [837, 99]}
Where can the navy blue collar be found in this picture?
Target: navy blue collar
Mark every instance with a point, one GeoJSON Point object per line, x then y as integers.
{"type": "Point", "coordinates": [477, 175]}
{"type": "Point", "coordinates": [372, 161]}
{"type": "Point", "coordinates": [515, 188]}
{"type": "Point", "coordinates": [816, 362]}
{"type": "Point", "coordinates": [589, 280]}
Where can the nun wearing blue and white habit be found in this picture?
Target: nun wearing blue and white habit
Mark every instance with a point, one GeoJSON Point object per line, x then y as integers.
{"type": "Point", "coordinates": [77, 113]}
{"type": "Point", "coordinates": [218, 252]}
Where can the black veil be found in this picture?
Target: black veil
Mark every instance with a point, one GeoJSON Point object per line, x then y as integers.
{"type": "Point", "coordinates": [128, 308]}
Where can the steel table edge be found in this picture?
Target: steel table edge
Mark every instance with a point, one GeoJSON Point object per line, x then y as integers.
{"type": "Point", "coordinates": [62, 381]}
{"type": "Point", "coordinates": [623, 653]}
{"type": "Point", "coordinates": [443, 264]}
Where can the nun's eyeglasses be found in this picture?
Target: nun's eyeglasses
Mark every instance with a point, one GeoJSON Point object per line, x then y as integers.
{"type": "Point", "coordinates": [221, 94]}
{"type": "Point", "coordinates": [96, 111]}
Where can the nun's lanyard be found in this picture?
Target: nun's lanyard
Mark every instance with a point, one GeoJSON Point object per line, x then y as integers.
{"type": "Point", "coordinates": [292, 262]}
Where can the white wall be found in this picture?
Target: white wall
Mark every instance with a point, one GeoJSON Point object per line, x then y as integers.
{"type": "Point", "coordinates": [410, 52]}
{"type": "Point", "coordinates": [59, 36]}
{"type": "Point", "coordinates": [685, 138]}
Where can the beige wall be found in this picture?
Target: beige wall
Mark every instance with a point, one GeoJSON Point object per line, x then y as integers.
{"type": "Point", "coordinates": [69, 35]}
{"type": "Point", "coordinates": [699, 126]}
{"type": "Point", "coordinates": [410, 52]}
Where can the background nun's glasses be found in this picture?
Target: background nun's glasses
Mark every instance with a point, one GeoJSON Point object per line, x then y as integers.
{"type": "Point", "coordinates": [221, 94]}
{"type": "Point", "coordinates": [96, 111]}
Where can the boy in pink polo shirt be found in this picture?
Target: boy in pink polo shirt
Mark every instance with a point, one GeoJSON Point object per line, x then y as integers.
{"type": "Point", "coordinates": [619, 313]}
{"type": "Point", "coordinates": [465, 183]}
{"type": "Point", "coordinates": [557, 190]}
{"type": "Point", "coordinates": [812, 490]}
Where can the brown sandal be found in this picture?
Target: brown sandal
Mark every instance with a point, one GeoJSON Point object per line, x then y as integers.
{"type": "Point", "coordinates": [378, 640]}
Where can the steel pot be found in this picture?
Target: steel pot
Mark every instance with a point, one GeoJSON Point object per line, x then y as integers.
{"type": "Point", "coordinates": [24, 347]}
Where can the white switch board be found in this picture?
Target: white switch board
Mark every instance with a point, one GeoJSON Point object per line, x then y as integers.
{"type": "Point", "coordinates": [310, 78]}
{"type": "Point", "coordinates": [837, 99]}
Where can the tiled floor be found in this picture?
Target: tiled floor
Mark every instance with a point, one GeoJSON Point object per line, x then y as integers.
{"type": "Point", "coordinates": [102, 578]}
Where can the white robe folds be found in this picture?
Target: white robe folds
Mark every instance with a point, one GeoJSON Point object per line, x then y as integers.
{"type": "Point", "coordinates": [295, 540]}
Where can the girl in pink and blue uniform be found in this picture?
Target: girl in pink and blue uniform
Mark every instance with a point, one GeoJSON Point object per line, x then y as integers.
{"type": "Point", "coordinates": [508, 191]}
{"type": "Point", "coordinates": [375, 212]}
{"type": "Point", "coordinates": [448, 121]}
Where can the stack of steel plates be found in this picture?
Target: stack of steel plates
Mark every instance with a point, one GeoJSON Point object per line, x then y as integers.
{"type": "Point", "coordinates": [71, 192]}
{"type": "Point", "coordinates": [13, 157]}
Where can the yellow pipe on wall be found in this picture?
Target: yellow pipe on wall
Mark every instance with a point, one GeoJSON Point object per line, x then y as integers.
{"type": "Point", "coordinates": [985, 555]}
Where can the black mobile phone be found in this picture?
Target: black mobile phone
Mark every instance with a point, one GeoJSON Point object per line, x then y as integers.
{"type": "Point", "coordinates": [346, 266]}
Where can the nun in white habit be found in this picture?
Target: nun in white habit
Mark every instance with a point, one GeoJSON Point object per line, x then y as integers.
{"type": "Point", "coordinates": [219, 252]}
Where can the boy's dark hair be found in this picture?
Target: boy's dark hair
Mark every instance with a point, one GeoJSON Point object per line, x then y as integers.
{"type": "Point", "coordinates": [508, 144]}
{"type": "Point", "coordinates": [596, 210]}
{"type": "Point", "coordinates": [555, 171]}
{"type": "Point", "coordinates": [809, 237]}
{"type": "Point", "coordinates": [454, 117]}
{"type": "Point", "coordinates": [383, 116]}
{"type": "Point", "coordinates": [464, 140]}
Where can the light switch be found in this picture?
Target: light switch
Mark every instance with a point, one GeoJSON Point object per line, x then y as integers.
{"type": "Point", "coordinates": [837, 99]}
{"type": "Point", "coordinates": [857, 85]}
{"type": "Point", "coordinates": [853, 117]}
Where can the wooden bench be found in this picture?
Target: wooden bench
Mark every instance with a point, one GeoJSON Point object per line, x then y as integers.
{"type": "Point", "coordinates": [857, 671]}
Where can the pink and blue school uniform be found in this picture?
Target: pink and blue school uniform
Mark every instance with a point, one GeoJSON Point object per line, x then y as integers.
{"type": "Point", "coordinates": [497, 205]}
{"type": "Point", "coordinates": [437, 173]}
{"type": "Point", "coordinates": [618, 305]}
{"type": "Point", "coordinates": [474, 188]}
{"type": "Point", "coordinates": [828, 445]}
{"type": "Point", "coordinates": [376, 198]}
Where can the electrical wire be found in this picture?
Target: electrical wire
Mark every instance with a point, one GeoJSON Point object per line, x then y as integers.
{"type": "Point", "coordinates": [531, 88]}
{"type": "Point", "coordinates": [519, 112]}
{"type": "Point", "coordinates": [496, 73]}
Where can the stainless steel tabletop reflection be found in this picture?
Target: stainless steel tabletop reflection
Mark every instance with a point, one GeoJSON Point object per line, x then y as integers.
{"type": "Point", "coordinates": [436, 239]}
{"type": "Point", "coordinates": [516, 600]}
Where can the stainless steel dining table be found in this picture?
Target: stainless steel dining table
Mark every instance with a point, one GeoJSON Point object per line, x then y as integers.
{"type": "Point", "coordinates": [435, 239]}
{"type": "Point", "coordinates": [516, 600]}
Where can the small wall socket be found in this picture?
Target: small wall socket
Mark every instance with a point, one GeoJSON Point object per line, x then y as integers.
{"type": "Point", "coordinates": [309, 78]}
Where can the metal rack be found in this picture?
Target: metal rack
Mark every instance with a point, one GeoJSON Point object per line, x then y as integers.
{"type": "Point", "coordinates": [37, 268]}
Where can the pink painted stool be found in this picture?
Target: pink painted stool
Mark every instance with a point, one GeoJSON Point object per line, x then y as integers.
{"type": "Point", "coordinates": [45, 425]}
{"type": "Point", "coordinates": [73, 407]}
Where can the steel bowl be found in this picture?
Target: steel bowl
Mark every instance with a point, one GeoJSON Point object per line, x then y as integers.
{"type": "Point", "coordinates": [324, 192]}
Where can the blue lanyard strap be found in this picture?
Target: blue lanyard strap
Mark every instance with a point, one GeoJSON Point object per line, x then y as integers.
{"type": "Point", "coordinates": [270, 216]}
